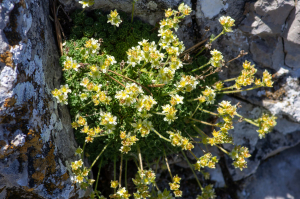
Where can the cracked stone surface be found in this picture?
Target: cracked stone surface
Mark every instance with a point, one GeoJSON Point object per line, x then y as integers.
{"type": "Point", "coordinates": [36, 138]}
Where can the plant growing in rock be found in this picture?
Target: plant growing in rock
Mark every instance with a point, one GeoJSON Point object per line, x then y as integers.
{"type": "Point", "coordinates": [128, 94]}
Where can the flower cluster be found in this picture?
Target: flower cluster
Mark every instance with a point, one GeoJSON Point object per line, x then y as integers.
{"type": "Point", "coordinates": [266, 80]}
{"type": "Point", "coordinates": [129, 95]}
{"type": "Point", "coordinates": [187, 83]}
{"type": "Point", "coordinates": [176, 99]}
{"type": "Point", "coordinates": [114, 18]}
{"type": "Point", "coordinates": [81, 173]}
{"type": "Point", "coordinates": [217, 58]}
{"type": "Point", "coordinates": [206, 160]}
{"type": "Point", "coordinates": [227, 22]}
{"type": "Point", "coordinates": [127, 141]}
{"type": "Point", "coordinates": [69, 64]}
{"type": "Point", "coordinates": [91, 132]}
{"type": "Point", "coordinates": [174, 186]}
{"type": "Point", "coordinates": [169, 112]}
{"type": "Point", "coordinates": [145, 102]}
{"type": "Point", "coordinates": [178, 140]}
{"type": "Point", "coordinates": [61, 94]}
{"type": "Point", "coordinates": [226, 109]}
{"type": "Point", "coordinates": [184, 9]}
{"type": "Point", "coordinates": [142, 180]}
{"type": "Point", "coordinates": [87, 3]}
{"type": "Point", "coordinates": [143, 127]}
{"type": "Point", "coordinates": [209, 95]}
{"type": "Point", "coordinates": [207, 192]}
{"type": "Point", "coordinates": [266, 124]}
{"type": "Point", "coordinates": [238, 155]}
{"type": "Point", "coordinates": [108, 120]}
{"type": "Point", "coordinates": [122, 193]}
{"type": "Point", "coordinates": [93, 46]}
{"type": "Point", "coordinates": [247, 75]}
{"type": "Point", "coordinates": [110, 60]}
{"type": "Point", "coordinates": [146, 52]}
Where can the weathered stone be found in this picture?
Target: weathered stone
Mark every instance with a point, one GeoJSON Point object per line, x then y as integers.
{"type": "Point", "coordinates": [276, 177]}
{"type": "Point", "coordinates": [35, 132]}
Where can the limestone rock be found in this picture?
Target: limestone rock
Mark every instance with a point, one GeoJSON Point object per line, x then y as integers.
{"type": "Point", "coordinates": [276, 177]}
{"type": "Point", "coordinates": [36, 138]}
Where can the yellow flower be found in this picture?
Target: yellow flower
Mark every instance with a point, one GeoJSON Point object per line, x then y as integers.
{"type": "Point", "coordinates": [114, 184]}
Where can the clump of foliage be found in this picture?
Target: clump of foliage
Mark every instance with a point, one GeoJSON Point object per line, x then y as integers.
{"type": "Point", "coordinates": [132, 95]}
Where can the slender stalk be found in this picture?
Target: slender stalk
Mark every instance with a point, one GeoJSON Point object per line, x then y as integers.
{"type": "Point", "coordinates": [98, 156]}
{"type": "Point", "coordinates": [222, 149]}
{"type": "Point", "coordinates": [247, 120]}
{"type": "Point", "coordinates": [115, 80]}
{"type": "Point", "coordinates": [193, 155]}
{"type": "Point", "coordinates": [166, 159]}
{"type": "Point", "coordinates": [192, 170]}
{"type": "Point", "coordinates": [98, 175]}
{"type": "Point", "coordinates": [136, 163]}
{"type": "Point", "coordinates": [211, 42]}
{"type": "Point", "coordinates": [132, 81]}
{"type": "Point", "coordinates": [120, 177]}
{"type": "Point", "coordinates": [206, 111]}
{"type": "Point", "coordinates": [157, 113]}
{"type": "Point", "coordinates": [221, 33]}
{"type": "Point", "coordinates": [82, 155]}
{"type": "Point", "coordinates": [115, 170]}
{"type": "Point", "coordinates": [210, 124]}
{"type": "Point", "coordinates": [126, 174]}
{"type": "Point", "coordinates": [161, 136]}
{"type": "Point", "coordinates": [140, 157]}
{"type": "Point", "coordinates": [200, 67]}
{"type": "Point", "coordinates": [199, 130]}
{"type": "Point", "coordinates": [195, 109]}
{"type": "Point", "coordinates": [226, 88]}
{"type": "Point", "coordinates": [229, 80]}
{"type": "Point", "coordinates": [132, 11]}
{"type": "Point", "coordinates": [237, 91]}
{"type": "Point", "coordinates": [126, 68]}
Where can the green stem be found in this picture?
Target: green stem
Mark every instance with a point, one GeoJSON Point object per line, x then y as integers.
{"type": "Point", "coordinates": [192, 170]}
{"type": "Point", "coordinates": [199, 130]}
{"type": "Point", "coordinates": [237, 91]}
{"type": "Point", "coordinates": [210, 124]}
{"type": "Point", "coordinates": [167, 164]}
{"type": "Point", "coordinates": [193, 155]}
{"type": "Point", "coordinates": [140, 157]}
{"type": "Point", "coordinates": [200, 67]}
{"type": "Point", "coordinates": [196, 109]}
{"type": "Point", "coordinates": [98, 174]}
{"type": "Point", "coordinates": [247, 120]}
{"type": "Point", "coordinates": [120, 177]}
{"type": "Point", "coordinates": [98, 156]}
{"type": "Point", "coordinates": [206, 111]}
{"type": "Point", "coordinates": [82, 155]}
{"type": "Point", "coordinates": [221, 33]}
{"type": "Point", "coordinates": [229, 80]}
{"type": "Point", "coordinates": [132, 11]}
{"type": "Point", "coordinates": [161, 136]}
{"type": "Point", "coordinates": [126, 174]}
{"type": "Point", "coordinates": [115, 162]}
{"type": "Point", "coordinates": [210, 42]}
{"type": "Point", "coordinates": [126, 68]}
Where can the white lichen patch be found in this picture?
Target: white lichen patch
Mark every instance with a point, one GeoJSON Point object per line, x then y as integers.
{"type": "Point", "coordinates": [19, 138]}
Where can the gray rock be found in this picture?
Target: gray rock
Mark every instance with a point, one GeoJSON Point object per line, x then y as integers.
{"type": "Point", "coordinates": [36, 138]}
{"type": "Point", "coordinates": [276, 177]}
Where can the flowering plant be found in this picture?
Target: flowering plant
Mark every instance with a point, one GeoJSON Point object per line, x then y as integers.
{"type": "Point", "coordinates": [151, 99]}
